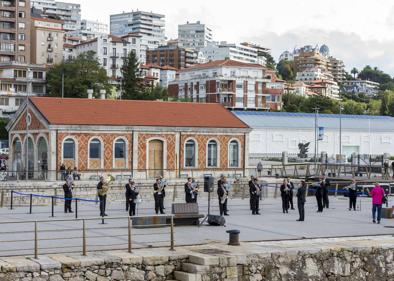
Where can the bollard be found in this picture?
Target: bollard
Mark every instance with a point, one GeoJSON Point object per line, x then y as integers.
{"type": "Point", "coordinates": [83, 238]}
{"type": "Point", "coordinates": [76, 207]}
{"type": "Point", "coordinates": [53, 206]}
{"type": "Point", "coordinates": [130, 222]}
{"type": "Point", "coordinates": [2, 199]}
{"type": "Point", "coordinates": [233, 237]}
{"type": "Point", "coordinates": [172, 234]}
{"type": "Point", "coordinates": [55, 193]}
{"type": "Point", "coordinates": [35, 240]}
{"type": "Point", "coordinates": [31, 203]}
{"type": "Point", "coordinates": [12, 199]}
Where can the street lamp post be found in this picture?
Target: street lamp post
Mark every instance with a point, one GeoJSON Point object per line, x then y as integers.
{"type": "Point", "coordinates": [340, 132]}
{"type": "Point", "coordinates": [29, 87]}
{"type": "Point", "coordinates": [316, 136]}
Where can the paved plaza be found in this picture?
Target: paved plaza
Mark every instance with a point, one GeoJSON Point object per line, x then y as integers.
{"type": "Point", "coordinates": [66, 236]}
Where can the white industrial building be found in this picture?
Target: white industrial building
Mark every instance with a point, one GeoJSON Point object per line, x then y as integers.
{"type": "Point", "coordinates": [276, 132]}
{"type": "Point", "coordinates": [194, 35]}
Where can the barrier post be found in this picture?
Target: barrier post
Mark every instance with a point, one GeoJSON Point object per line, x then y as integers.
{"type": "Point", "coordinates": [307, 189]}
{"type": "Point", "coordinates": [83, 238]}
{"type": "Point", "coordinates": [336, 190]}
{"type": "Point", "coordinates": [35, 240]}
{"type": "Point", "coordinates": [172, 234]}
{"type": "Point", "coordinates": [130, 222]}
{"type": "Point", "coordinates": [2, 199]}
{"type": "Point", "coordinates": [76, 207]}
{"type": "Point", "coordinates": [12, 199]}
{"type": "Point", "coordinates": [55, 193]}
{"type": "Point", "coordinates": [174, 194]}
{"type": "Point", "coordinates": [31, 203]}
{"type": "Point", "coordinates": [53, 206]}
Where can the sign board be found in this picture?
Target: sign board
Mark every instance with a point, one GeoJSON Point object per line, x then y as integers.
{"type": "Point", "coordinates": [321, 133]}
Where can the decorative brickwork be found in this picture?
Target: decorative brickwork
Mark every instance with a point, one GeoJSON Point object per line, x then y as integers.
{"type": "Point", "coordinates": [142, 147]}
{"type": "Point", "coordinates": [34, 125]}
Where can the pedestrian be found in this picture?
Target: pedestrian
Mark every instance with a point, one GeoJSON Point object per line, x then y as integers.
{"type": "Point", "coordinates": [285, 194]}
{"type": "Point", "coordinates": [189, 191]}
{"type": "Point", "coordinates": [255, 191]}
{"type": "Point", "coordinates": [378, 195]}
{"type": "Point", "coordinates": [319, 197]}
{"type": "Point", "coordinates": [131, 196]}
{"type": "Point", "coordinates": [68, 195]}
{"type": "Point", "coordinates": [222, 196]}
{"type": "Point", "coordinates": [158, 189]}
{"type": "Point", "coordinates": [76, 174]}
{"type": "Point", "coordinates": [352, 193]}
{"type": "Point", "coordinates": [62, 170]}
{"type": "Point", "coordinates": [301, 199]}
{"type": "Point", "coordinates": [386, 174]}
{"type": "Point", "coordinates": [291, 194]}
{"type": "Point", "coordinates": [392, 168]}
{"type": "Point", "coordinates": [259, 168]}
{"type": "Point", "coordinates": [325, 185]}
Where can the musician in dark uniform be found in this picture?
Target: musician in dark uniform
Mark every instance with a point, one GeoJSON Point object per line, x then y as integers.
{"type": "Point", "coordinates": [301, 199]}
{"type": "Point", "coordinates": [131, 196]}
{"type": "Point", "coordinates": [68, 195]}
{"type": "Point", "coordinates": [255, 191]}
{"type": "Point", "coordinates": [158, 196]}
{"type": "Point", "coordinates": [164, 185]}
{"type": "Point", "coordinates": [285, 194]}
{"type": "Point", "coordinates": [291, 193]}
{"type": "Point", "coordinates": [222, 196]}
{"type": "Point", "coordinates": [251, 184]}
{"type": "Point", "coordinates": [325, 184]}
{"type": "Point", "coordinates": [102, 188]}
{"type": "Point", "coordinates": [195, 190]}
{"type": "Point", "coordinates": [319, 197]}
{"type": "Point", "coordinates": [127, 187]}
{"type": "Point", "coordinates": [189, 191]}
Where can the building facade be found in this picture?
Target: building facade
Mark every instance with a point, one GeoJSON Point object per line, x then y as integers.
{"type": "Point", "coordinates": [17, 81]}
{"type": "Point", "coordinates": [15, 24]}
{"type": "Point", "coordinates": [171, 56]}
{"type": "Point", "coordinates": [194, 35]}
{"type": "Point", "coordinates": [367, 87]}
{"type": "Point", "coordinates": [148, 143]}
{"type": "Point", "coordinates": [236, 52]}
{"type": "Point", "coordinates": [231, 83]}
{"type": "Point", "coordinates": [47, 40]}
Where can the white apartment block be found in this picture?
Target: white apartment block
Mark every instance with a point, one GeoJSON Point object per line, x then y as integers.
{"type": "Point", "coordinates": [319, 81]}
{"type": "Point", "coordinates": [230, 51]}
{"type": "Point", "coordinates": [70, 13]}
{"type": "Point", "coordinates": [367, 87]}
{"type": "Point", "coordinates": [231, 83]}
{"type": "Point", "coordinates": [110, 51]}
{"type": "Point", "coordinates": [91, 29]}
{"type": "Point", "coordinates": [194, 35]}
{"type": "Point", "coordinates": [18, 80]}
{"type": "Point", "coordinates": [313, 74]}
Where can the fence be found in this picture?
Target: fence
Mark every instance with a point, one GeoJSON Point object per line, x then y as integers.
{"type": "Point", "coordinates": [77, 236]}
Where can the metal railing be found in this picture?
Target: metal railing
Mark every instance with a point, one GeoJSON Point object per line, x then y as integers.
{"type": "Point", "coordinates": [45, 235]}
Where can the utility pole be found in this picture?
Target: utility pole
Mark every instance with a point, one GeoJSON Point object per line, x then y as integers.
{"type": "Point", "coordinates": [340, 132]}
{"type": "Point", "coordinates": [62, 83]}
{"type": "Point", "coordinates": [29, 88]}
{"type": "Point", "coordinates": [316, 136]}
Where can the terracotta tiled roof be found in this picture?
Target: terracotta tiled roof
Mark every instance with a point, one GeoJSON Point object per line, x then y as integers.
{"type": "Point", "coordinates": [116, 39]}
{"type": "Point", "coordinates": [222, 63]}
{"type": "Point", "coordinates": [135, 113]}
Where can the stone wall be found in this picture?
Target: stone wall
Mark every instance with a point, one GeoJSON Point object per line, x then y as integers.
{"type": "Point", "coordinates": [368, 258]}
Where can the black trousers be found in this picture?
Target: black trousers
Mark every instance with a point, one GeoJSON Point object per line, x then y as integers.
{"type": "Point", "coordinates": [352, 202]}
{"type": "Point", "coordinates": [319, 200]}
{"type": "Point", "coordinates": [301, 210]}
{"type": "Point", "coordinates": [291, 199]}
{"type": "Point", "coordinates": [131, 207]}
{"type": "Point", "coordinates": [255, 199]}
{"type": "Point", "coordinates": [285, 203]}
{"type": "Point", "coordinates": [103, 203]}
{"type": "Point", "coordinates": [67, 203]}
{"type": "Point", "coordinates": [326, 201]}
{"type": "Point", "coordinates": [223, 207]}
{"type": "Point", "coordinates": [127, 202]}
{"type": "Point", "coordinates": [159, 203]}
{"type": "Point", "coordinates": [251, 202]}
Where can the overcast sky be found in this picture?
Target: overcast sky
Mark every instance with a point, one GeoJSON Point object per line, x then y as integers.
{"type": "Point", "coordinates": [359, 32]}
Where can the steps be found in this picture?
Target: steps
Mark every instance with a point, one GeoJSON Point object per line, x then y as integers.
{"type": "Point", "coordinates": [185, 276]}
{"type": "Point", "coordinates": [197, 266]}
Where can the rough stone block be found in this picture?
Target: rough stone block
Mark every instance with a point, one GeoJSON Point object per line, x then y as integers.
{"type": "Point", "coordinates": [155, 260]}
{"type": "Point", "coordinates": [20, 264]}
{"type": "Point", "coordinates": [47, 263]}
{"type": "Point", "coordinates": [204, 259]}
{"type": "Point", "coordinates": [127, 258]}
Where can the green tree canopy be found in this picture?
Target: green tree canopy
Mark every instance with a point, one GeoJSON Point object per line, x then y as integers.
{"type": "Point", "coordinates": [286, 70]}
{"type": "Point", "coordinates": [80, 74]}
{"type": "Point", "coordinates": [270, 61]}
{"type": "Point", "coordinates": [374, 74]}
{"type": "Point", "coordinates": [131, 83]}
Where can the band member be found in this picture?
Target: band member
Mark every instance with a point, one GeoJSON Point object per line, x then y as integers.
{"type": "Point", "coordinates": [102, 190]}
{"type": "Point", "coordinates": [285, 194]}
{"type": "Point", "coordinates": [319, 197]}
{"type": "Point", "coordinates": [222, 196]}
{"type": "Point", "coordinates": [163, 183]}
{"type": "Point", "coordinates": [255, 191]}
{"type": "Point", "coordinates": [301, 199]}
{"type": "Point", "coordinates": [189, 191]}
{"type": "Point", "coordinates": [68, 195]}
{"type": "Point", "coordinates": [291, 194]}
{"type": "Point", "coordinates": [131, 196]}
{"type": "Point", "coordinates": [251, 184]}
{"type": "Point", "coordinates": [127, 187]}
{"type": "Point", "coordinates": [352, 189]}
{"type": "Point", "coordinates": [158, 188]}
{"type": "Point", "coordinates": [325, 184]}
{"type": "Point", "coordinates": [195, 190]}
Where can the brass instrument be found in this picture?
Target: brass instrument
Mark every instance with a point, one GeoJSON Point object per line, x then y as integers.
{"type": "Point", "coordinates": [106, 185]}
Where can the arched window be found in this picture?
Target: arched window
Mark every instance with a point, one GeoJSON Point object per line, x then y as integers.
{"type": "Point", "coordinates": [190, 153]}
{"type": "Point", "coordinates": [69, 149]}
{"type": "Point", "coordinates": [212, 154]}
{"type": "Point", "coordinates": [120, 149]}
{"type": "Point", "coordinates": [95, 149]}
{"type": "Point", "coordinates": [233, 156]}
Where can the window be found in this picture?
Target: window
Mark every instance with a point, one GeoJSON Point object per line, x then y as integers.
{"type": "Point", "coordinates": [21, 14]}
{"type": "Point", "coordinates": [104, 61]}
{"type": "Point", "coordinates": [21, 25]}
{"type": "Point", "coordinates": [212, 154]}
{"type": "Point", "coordinates": [21, 48]}
{"type": "Point", "coordinates": [120, 149]}
{"type": "Point", "coordinates": [4, 101]}
{"type": "Point", "coordinates": [105, 51]}
{"type": "Point", "coordinates": [38, 75]}
{"type": "Point", "coordinates": [18, 101]}
{"type": "Point", "coordinates": [233, 157]}
{"type": "Point", "coordinates": [69, 149]}
{"type": "Point", "coordinates": [95, 149]}
{"type": "Point", "coordinates": [190, 153]}
{"type": "Point", "coordinates": [21, 36]}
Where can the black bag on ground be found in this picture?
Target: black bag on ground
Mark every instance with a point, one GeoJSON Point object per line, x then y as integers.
{"type": "Point", "coordinates": [216, 220]}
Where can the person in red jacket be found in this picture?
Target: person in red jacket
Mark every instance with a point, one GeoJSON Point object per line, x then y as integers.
{"type": "Point", "coordinates": [377, 194]}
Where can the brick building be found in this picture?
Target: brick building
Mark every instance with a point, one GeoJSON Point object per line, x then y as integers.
{"type": "Point", "coordinates": [101, 136]}
{"type": "Point", "coordinates": [171, 56]}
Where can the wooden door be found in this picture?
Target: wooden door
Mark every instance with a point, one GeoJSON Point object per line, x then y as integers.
{"type": "Point", "coordinates": [155, 164]}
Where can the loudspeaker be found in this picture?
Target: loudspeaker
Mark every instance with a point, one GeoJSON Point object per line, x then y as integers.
{"type": "Point", "coordinates": [209, 181]}
{"type": "Point", "coordinates": [216, 220]}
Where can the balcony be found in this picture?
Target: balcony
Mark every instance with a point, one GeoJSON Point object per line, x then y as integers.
{"type": "Point", "coordinates": [50, 39]}
{"type": "Point", "coordinates": [114, 55]}
{"type": "Point", "coordinates": [114, 66]}
{"type": "Point", "coordinates": [50, 50]}
{"type": "Point", "coordinates": [7, 5]}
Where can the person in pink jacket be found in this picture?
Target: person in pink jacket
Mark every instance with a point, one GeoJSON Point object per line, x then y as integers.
{"type": "Point", "coordinates": [377, 194]}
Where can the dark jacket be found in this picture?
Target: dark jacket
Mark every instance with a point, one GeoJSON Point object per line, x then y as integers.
{"type": "Point", "coordinates": [301, 195]}
{"type": "Point", "coordinates": [221, 192]}
{"type": "Point", "coordinates": [283, 192]}
{"type": "Point", "coordinates": [253, 189]}
{"type": "Point", "coordinates": [67, 191]}
{"type": "Point", "coordinates": [319, 191]}
{"type": "Point", "coordinates": [131, 194]}
{"type": "Point", "coordinates": [325, 185]}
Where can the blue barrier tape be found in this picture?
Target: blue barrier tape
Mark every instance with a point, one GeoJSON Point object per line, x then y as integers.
{"type": "Point", "coordinates": [57, 197]}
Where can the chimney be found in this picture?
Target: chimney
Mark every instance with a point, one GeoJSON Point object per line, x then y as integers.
{"type": "Point", "coordinates": [102, 94]}
{"type": "Point", "coordinates": [90, 94]}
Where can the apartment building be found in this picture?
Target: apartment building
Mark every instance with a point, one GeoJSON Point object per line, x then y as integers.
{"type": "Point", "coordinates": [320, 81]}
{"type": "Point", "coordinates": [15, 31]}
{"type": "Point", "coordinates": [231, 83]}
{"type": "Point", "coordinates": [47, 40]}
{"type": "Point", "coordinates": [90, 29]}
{"type": "Point", "coordinates": [18, 80]}
{"type": "Point", "coordinates": [367, 87]}
{"type": "Point", "coordinates": [194, 35]}
{"type": "Point", "coordinates": [231, 51]}
{"type": "Point", "coordinates": [337, 69]}
{"type": "Point", "coordinates": [70, 13]}
{"type": "Point", "coordinates": [171, 55]}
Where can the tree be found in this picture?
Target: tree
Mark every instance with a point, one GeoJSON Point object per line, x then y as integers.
{"type": "Point", "coordinates": [286, 70]}
{"type": "Point", "coordinates": [354, 71]}
{"type": "Point", "coordinates": [270, 61]}
{"type": "Point", "coordinates": [80, 74]}
{"type": "Point", "coordinates": [386, 101]}
{"type": "Point", "coordinates": [374, 74]}
{"type": "Point", "coordinates": [131, 83]}
{"type": "Point", "coordinates": [156, 93]}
